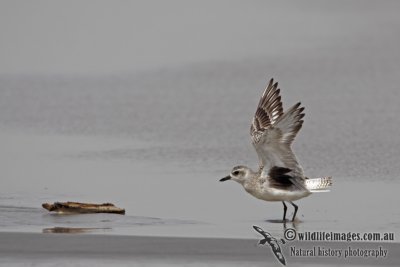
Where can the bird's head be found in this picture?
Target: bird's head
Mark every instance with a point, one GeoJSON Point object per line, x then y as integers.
{"type": "Point", "coordinates": [239, 174]}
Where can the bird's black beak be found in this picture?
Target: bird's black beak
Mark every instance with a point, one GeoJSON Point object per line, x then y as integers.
{"type": "Point", "coordinates": [225, 178]}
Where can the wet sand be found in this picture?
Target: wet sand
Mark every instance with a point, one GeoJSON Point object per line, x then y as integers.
{"type": "Point", "coordinates": [65, 250]}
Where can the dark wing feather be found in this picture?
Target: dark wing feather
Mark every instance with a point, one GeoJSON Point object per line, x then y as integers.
{"type": "Point", "coordinates": [279, 178]}
{"type": "Point", "coordinates": [269, 109]}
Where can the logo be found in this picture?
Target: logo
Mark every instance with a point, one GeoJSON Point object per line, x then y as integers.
{"type": "Point", "coordinates": [273, 242]}
{"type": "Point", "coordinates": [344, 251]}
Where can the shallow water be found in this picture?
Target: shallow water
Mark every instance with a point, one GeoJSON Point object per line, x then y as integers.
{"type": "Point", "coordinates": [168, 199]}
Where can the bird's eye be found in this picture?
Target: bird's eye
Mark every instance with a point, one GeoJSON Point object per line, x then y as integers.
{"type": "Point", "coordinates": [235, 173]}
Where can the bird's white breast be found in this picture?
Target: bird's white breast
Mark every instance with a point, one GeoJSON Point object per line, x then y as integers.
{"type": "Point", "coordinates": [260, 189]}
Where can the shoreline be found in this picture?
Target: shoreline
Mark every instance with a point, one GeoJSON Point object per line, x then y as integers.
{"type": "Point", "coordinates": [72, 249]}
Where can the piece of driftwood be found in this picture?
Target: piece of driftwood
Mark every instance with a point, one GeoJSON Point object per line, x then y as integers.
{"type": "Point", "coordinates": [71, 230]}
{"type": "Point", "coordinates": [77, 207]}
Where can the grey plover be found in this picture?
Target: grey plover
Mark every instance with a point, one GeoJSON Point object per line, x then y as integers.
{"type": "Point", "coordinates": [279, 177]}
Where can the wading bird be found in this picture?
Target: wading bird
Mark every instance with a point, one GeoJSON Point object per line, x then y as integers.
{"type": "Point", "coordinates": [279, 177]}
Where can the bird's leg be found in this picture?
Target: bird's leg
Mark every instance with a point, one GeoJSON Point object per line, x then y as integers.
{"type": "Point", "coordinates": [295, 210]}
{"type": "Point", "coordinates": [284, 211]}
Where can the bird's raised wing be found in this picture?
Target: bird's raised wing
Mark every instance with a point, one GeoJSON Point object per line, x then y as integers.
{"type": "Point", "coordinates": [273, 131]}
{"type": "Point", "coordinates": [269, 109]}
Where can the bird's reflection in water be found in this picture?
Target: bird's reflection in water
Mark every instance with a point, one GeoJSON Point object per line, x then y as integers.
{"type": "Point", "coordinates": [285, 223]}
